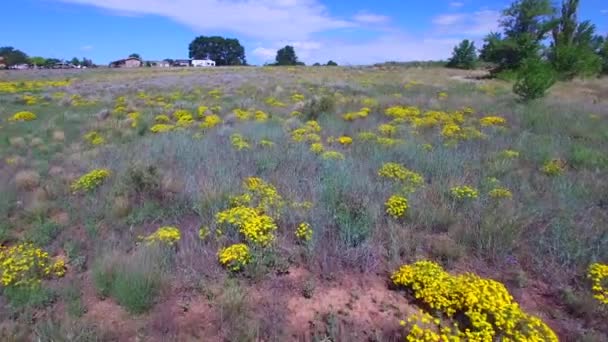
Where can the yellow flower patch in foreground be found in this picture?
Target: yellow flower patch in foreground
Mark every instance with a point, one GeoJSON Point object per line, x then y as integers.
{"type": "Point", "coordinates": [474, 308]}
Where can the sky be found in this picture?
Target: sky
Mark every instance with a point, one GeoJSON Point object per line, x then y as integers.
{"type": "Point", "coordinates": [350, 32]}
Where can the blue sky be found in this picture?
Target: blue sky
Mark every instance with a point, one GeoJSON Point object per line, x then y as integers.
{"type": "Point", "coordinates": [349, 32]}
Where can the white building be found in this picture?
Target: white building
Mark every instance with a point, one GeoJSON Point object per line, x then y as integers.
{"type": "Point", "coordinates": [203, 63]}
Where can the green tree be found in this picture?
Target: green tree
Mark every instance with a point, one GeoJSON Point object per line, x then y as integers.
{"type": "Point", "coordinates": [224, 51]}
{"type": "Point", "coordinates": [50, 62]}
{"type": "Point", "coordinates": [13, 56]}
{"type": "Point", "coordinates": [332, 63]}
{"type": "Point", "coordinates": [574, 51]}
{"type": "Point", "coordinates": [37, 61]}
{"type": "Point", "coordinates": [286, 56]}
{"type": "Point", "coordinates": [135, 55]}
{"type": "Point", "coordinates": [526, 24]}
{"type": "Point", "coordinates": [75, 61]}
{"type": "Point", "coordinates": [603, 52]}
{"type": "Point", "coordinates": [534, 79]}
{"type": "Point", "coordinates": [464, 56]}
{"type": "Point", "coordinates": [86, 63]}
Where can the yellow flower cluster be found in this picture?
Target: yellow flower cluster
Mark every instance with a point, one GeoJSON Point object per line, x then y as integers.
{"type": "Point", "coordinates": [492, 121]}
{"type": "Point", "coordinates": [598, 273]}
{"type": "Point", "coordinates": [29, 100]}
{"type": "Point", "coordinates": [554, 167]}
{"type": "Point", "coordinates": [332, 155]}
{"type": "Point", "coordinates": [211, 121]}
{"type": "Point", "coordinates": [239, 142]}
{"type": "Point", "coordinates": [296, 97]}
{"type": "Point", "coordinates": [215, 93]}
{"type": "Point", "coordinates": [304, 232]}
{"type": "Point", "coordinates": [307, 133]}
{"type": "Point", "coordinates": [25, 265]}
{"type": "Point", "coordinates": [442, 95]}
{"type": "Point", "coordinates": [255, 226]}
{"type": "Point", "coordinates": [250, 211]}
{"type": "Point", "coordinates": [94, 138]}
{"type": "Point", "coordinates": [409, 180]}
{"type": "Point", "coordinates": [184, 118]}
{"type": "Point", "coordinates": [162, 119]}
{"type": "Point", "coordinates": [203, 233]}
{"type": "Point", "coordinates": [387, 129]}
{"type": "Point", "coordinates": [266, 143]}
{"type": "Point", "coordinates": [90, 180]}
{"type": "Point", "coordinates": [509, 154]}
{"type": "Point", "coordinates": [396, 206]}
{"type": "Point", "coordinates": [201, 111]}
{"type": "Point", "coordinates": [345, 140]}
{"type": "Point", "coordinates": [480, 309]}
{"type": "Point", "coordinates": [367, 136]}
{"type": "Point", "coordinates": [399, 112]}
{"type": "Point", "coordinates": [21, 86]}
{"type": "Point", "coordinates": [273, 102]}
{"type": "Point", "coordinates": [234, 257]}
{"type": "Point", "coordinates": [363, 113]}
{"type": "Point", "coordinates": [168, 235]}
{"type": "Point", "coordinates": [317, 148]}
{"type": "Point", "coordinates": [263, 195]}
{"type": "Point", "coordinates": [161, 128]}
{"type": "Point", "coordinates": [500, 192]}
{"type": "Point", "coordinates": [464, 192]}
{"type": "Point", "coordinates": [23, 116]}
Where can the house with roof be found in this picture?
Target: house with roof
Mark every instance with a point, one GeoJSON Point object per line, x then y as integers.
{"type": "Point", "coordinates": [181, 63]}
{"type": "Point", "coordinates": [131, 62]}
{"type": "Point", "coordinates": [203, 63]}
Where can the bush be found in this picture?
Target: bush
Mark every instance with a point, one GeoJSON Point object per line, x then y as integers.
{"type": "Point", "coordinates": [534, 79]}
{"type": "Point", "coordinates": [464, 56]}
{"type": "Point", "coordinates": [136, 282]}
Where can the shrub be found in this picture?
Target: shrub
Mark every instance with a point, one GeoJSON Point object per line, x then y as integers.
{"type": "Point", "coordinates": [481, 309]}
{"type": "Point", "coordinates": [598, 273]}
{"type": "Point", "coordinates": [134, 281]}
{"type": "Point", "coordinates": [534, 79]}
{"type": "Point", "coordinates": [464, 56]}
{"type": "Point", "coordinates": [23, 116]}
{"type": "Point", "coordinates": [234, 257]}
{"type": "Point", "coordinates": [90, 180]}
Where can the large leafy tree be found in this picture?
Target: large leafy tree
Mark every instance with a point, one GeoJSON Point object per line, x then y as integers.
{"type": "Point", "coordinates": [464, 55]}
{"type": "Point", "coordinates": [526, 23]}
{"type": "Point", "coordinates": [603, 52]}
{"type": "Point", "coordinates": [575, 47]}
{"type": "Point", "coordinates": [287, 56]}
{"type": "Point", "coordinates": [13, 56]}
{"type": "Point", "coordinates": [224, 51]}
{"type": "Point", "coordinates": [38, 61]}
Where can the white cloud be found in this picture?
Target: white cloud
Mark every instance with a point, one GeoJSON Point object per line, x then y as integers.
{"type": "Point", "coordinates": [267, 19]}
{"type": "Point", "coordinates": [86, 48]}
{"type": "Point", "coordinates": [470, 24]}
{"type": "Point", "coordinates": [456, 4]}
{"type": "Point", "coordinates": [369, 18]}
{"type": "Point", "coordinates": [449, 19]}
{"type": "Point", "coordinates": [604, 11]}
{"type": "Point", "coordinates": [390, 47]}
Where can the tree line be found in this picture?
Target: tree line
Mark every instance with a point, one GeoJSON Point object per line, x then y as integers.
{"type": "Point", "coordinates": [229, 51]}
{"type": "Point", "coordinates": [11, 57]}
{"type": "Point", "coordinates": [539, 44]}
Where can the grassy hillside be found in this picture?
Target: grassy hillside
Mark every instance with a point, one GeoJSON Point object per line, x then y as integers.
{"type": "Point", "coordinates": [276, 204]}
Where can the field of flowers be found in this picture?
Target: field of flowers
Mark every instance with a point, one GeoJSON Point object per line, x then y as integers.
{"type": "Point", "coordinates": [311, 204]}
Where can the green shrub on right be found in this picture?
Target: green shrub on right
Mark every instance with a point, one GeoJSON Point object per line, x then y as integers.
{"type": "Point", "coordinates": [534, 79]}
